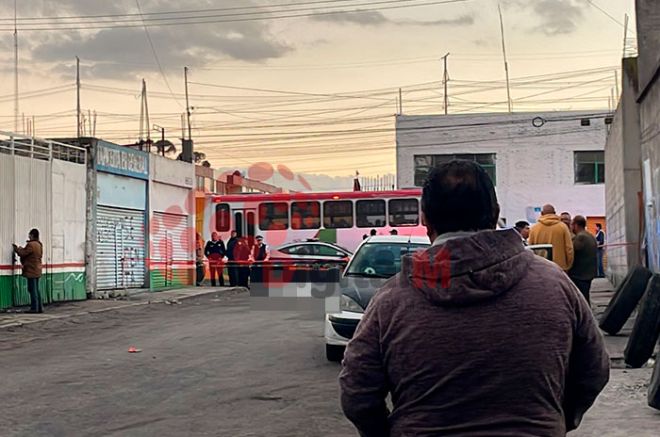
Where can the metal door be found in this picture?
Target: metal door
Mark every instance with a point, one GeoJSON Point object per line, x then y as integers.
{"type": "Point", "coordinates": [245, 221]}
{"type": "Point", "coordinates": [173, 244]}
{"type": "Point", "coordinates": [120, 260]}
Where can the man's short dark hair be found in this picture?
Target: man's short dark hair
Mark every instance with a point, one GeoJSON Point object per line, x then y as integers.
{"type": "Point", "coordinates": [580, 221]}
{"type": "Point", "coordinates": [599, 226]}
{"type": "Point", "coordinates": [522, 224]}
{"type": "Point", "coordinates": [34, 234]}
{"type": "Point", "coordinates": [459, 196]}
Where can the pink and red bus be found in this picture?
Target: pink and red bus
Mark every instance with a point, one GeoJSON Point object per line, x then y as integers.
{"type": "Point", "coordinates": [342, 218]}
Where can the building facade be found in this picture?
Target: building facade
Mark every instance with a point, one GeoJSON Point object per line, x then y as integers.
{"type": "Point", "coordinates": [533, 158]}
{"type": "Point", "coordinates": [42, 185]}
{"type": "Point", "coordinates": [648, 38]}
{"type": "Point", "coordinates": [624, 179]}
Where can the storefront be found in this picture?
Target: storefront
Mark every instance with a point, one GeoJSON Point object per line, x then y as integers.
{"type": "Point", "coordinates": [121, 204]}
{"type": "Point", "coordinates": [171, 225]}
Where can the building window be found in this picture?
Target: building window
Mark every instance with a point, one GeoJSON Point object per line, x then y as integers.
{"type": "Point", "coordinates": [305, 215]}
{"type": "Point", "coordinates": [222, 217]}
{"type": "Point", "coordinates": [424, 164]}
{"type": "Point", "coordinates": [589, 167]}
{"type": "Point", "coordinates": [404, 212]}
{"type": "Point", "coordinates": [338, 214]}
{"type": "Point", "coordinates": [273, 216]}
{"type": "Point", "coordinates": [370, 213]}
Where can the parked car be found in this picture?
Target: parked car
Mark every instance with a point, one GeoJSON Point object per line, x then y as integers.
{"type": "Point", "coordinates": [311, 252]}
{"type": "Point", "coordinates": [377, 259]}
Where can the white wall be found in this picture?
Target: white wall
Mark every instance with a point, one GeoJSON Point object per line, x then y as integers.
{"type": "Point", "coordinates": [534, 165]}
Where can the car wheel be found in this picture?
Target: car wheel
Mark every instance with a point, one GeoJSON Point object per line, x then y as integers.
{"type": "Point", "coordinates": [334, 353]}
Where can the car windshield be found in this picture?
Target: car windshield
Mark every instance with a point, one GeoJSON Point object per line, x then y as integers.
{"type": "Point", "coordinates": [381, 260]}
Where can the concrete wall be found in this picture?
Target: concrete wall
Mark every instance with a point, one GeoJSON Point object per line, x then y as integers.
{"type": "Point", "coordinates": [623, 179]}
{"type": "Point", "coordinates": [648, 38]}
{"type": "Point", "coordinates": [48, 195]}
{"type": "Point", "coordinates": [534, 165]}
{"type": "Point", "coordinates": [648, 27]}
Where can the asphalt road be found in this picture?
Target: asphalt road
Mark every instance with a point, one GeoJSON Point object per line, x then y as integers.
{"type": "Point", "coordinates": [208, 366]}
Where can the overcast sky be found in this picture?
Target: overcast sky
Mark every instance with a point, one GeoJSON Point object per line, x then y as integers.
{"type": "Point", "coordinates": [322, 54]}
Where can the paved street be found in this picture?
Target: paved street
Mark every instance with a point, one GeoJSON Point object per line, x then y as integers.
{"type": "Point", "coordinates": [208, 366]}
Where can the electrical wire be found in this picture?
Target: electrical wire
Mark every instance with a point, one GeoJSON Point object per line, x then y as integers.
{"type": "Point", "coordinates": [206, 20]}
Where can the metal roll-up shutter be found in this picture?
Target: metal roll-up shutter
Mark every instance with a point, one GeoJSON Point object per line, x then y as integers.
{"type": "Point", "coordinates": [119, 248]}
{"type": "Point", "coordinates": [174, 250]}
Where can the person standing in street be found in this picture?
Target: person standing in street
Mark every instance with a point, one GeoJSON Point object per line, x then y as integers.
{"type": "Point", "coordinates": [476, 336]}
{"type": "Point", "coordinates": [259, 256]}
{"type": "Point", "coordinates": [241, 254]}
{"type": "Point", "coordinates": [566, 219]}
{"type": "Point", "coordinates": [522, 227]}
{"type": "Point", "coordinates": [551, 230]}
{"type": "Point", "coordinates": [199, 260]}
{"type": "Point", "coordinates": [583, 270]}
{"type": "Point", "coordinates": [31, 256]}
{"type": "Point", "coordinates": [600, 239]}
{"type": "Point", "coordinates": [260, 250]}
{"type": "Point", "coordinates": [215, 252]}
{"type": "Point", "coordinates": [232, 270]}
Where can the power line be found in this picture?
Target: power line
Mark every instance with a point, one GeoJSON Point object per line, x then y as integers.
{"type": "Point", "coordinates": [153, 50]}
{"type": "Point", "coordinates": [67, 17]}
{"type": "Point", "coordinates": [205, 19]}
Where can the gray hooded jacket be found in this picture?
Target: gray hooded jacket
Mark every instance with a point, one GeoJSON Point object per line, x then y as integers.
{"type": "Point", "coordinates": [476, 337]}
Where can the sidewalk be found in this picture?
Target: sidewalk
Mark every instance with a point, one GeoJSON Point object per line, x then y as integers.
{"type": "Point", "coordinates": [621, 409]}
{"type": "Point", "coordinates": [17, 317]}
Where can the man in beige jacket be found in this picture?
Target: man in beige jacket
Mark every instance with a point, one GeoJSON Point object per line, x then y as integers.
{"type": "Point", "coordinates": [551, 230]}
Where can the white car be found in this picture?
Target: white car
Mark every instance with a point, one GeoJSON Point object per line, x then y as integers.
{"type": "Point", "coordinates": [377, 259]}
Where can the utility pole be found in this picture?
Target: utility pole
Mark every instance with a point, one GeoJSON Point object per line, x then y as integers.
{"type": "Point", "coordinates": [140, 132]}
{"type": "Point", "coordinates": [185, 74]}
{"type": "Point", "coordinates": [506, 63]}
{"type": "Point", "coordinates": [78, 95]}
{"type": "Point", "coordinates": [15, 69]}
{"type": "Point", "coordinates": [445, 81]}
{"type": "Point", "coordinates": [400, 102]}
{"type": "Point", "coordinates": [146, 114]}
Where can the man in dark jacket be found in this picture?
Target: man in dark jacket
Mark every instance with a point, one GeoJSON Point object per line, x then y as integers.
{"type": "Point", "coordinates": [585, 248]}
{"type": "Point", "coordinates": [215, 252]}
{"type": "Point", "coordinates": [600, 238]}
{"type": "Point", "coordinates": [231, 268]}
{"type": "Point", "coordinates": [30, 256]}
{"type": "Point", "coordinates": [476, 336]}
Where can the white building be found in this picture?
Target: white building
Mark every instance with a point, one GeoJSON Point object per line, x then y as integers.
{"type": "Point", "coordinates": [533, 158]}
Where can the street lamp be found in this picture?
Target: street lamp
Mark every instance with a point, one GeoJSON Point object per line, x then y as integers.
{"type": "Point", "coordinates": [162, 136]}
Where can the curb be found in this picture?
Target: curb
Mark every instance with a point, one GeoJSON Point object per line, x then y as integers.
{"type": "Point", "coordinates": [164, 299]}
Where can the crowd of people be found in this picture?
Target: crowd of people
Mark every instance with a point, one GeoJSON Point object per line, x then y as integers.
{"type": "Point", "coordinates": [576, 250]}
{"type": "Point", "coordinates": [476, 335]}
{"type": "Point", "coordinates": [236, 256]}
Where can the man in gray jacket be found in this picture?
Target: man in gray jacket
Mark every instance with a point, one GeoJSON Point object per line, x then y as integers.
{"type": "Point", "coordinates": [476, 336]}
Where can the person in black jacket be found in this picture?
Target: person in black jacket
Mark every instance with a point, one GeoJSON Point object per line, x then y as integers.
{"type": "Point", "coordinates": [215, 252]}
{"type": "Point", "coordinates": [231, 257]}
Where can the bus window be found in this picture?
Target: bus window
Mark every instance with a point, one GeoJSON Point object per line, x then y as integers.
{"type": "Point", "coordinates": [222, 217]}
{"type": "Point", "coordinates": [338, 214]}
{"type": "Point", "coordinates": [370, 213]}
{"type": "Point", "coordinates": [305, 215]}
{"type": "Point", "coordinates": [238, 223]}
{"type": "Point", "coordinates": [404, 212]}
{"type": "Point", "coordinates": [273, 216]}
